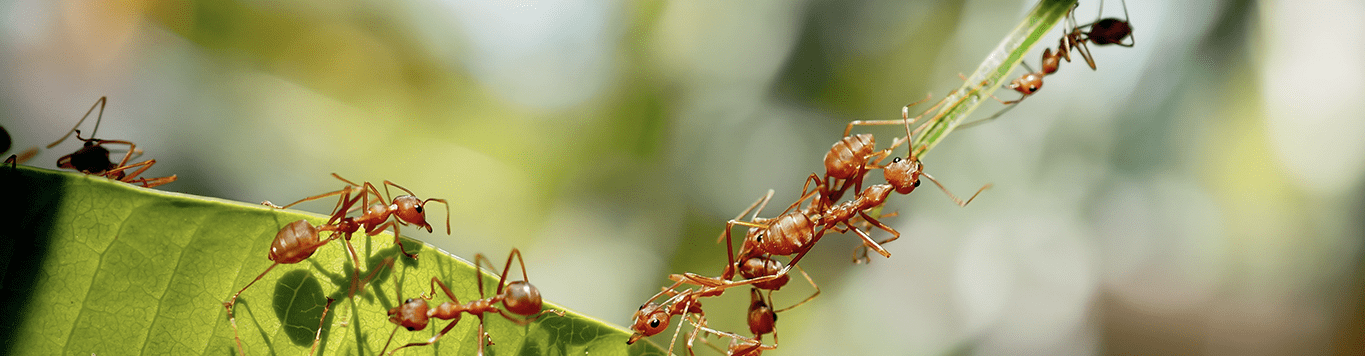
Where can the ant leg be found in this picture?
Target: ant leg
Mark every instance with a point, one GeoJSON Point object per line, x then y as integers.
{"type": "Point", "coordinates": [894, 234]}
{"type": "Point", "coordinates": [950, 195]}
{"type": "Point", "coordinates": [232, 319]}
{"type": "Point", "coordinates": [508, 267]}
{"type": "Point", "coordinates": [128, 178]}
{"type": "Point", "coordinates": [849, 129]}
{"type": "Point", "coordinates": [395, 185]}
{"type": "Point", "coordinates": [154, 182]}
{"type": "Point", "coordinates": [99, 103]}
{"type": "Point", "coordinates": [793, 306]}
{"type": "Point", "coordinates": [806, 193]}
{"type": "Point", "coordinates": [318, 336]}
{"type": "Point", "coordinates": [396, 239]}
{"type": "Point", "coordinates": [760, 204]}
{"type": "Point", "coordinates": [992, 117]}
{"type": "Point", "coordinates": [346, 191]}
{"type": "Point", "coordinates": [730, 245]}
{"type": "Point", "coordinates": [869, 242]}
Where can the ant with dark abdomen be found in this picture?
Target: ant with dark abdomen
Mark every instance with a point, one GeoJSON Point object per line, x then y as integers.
{"type": "Point", "coordinates": [93, 158]}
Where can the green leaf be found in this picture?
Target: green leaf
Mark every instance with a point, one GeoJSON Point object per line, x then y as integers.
{"type": "Point", "coordinates": [992, 72]}
{"type": "Point", "coordinates": [93, 266]}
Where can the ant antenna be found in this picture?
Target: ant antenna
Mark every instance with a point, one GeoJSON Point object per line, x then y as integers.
{"type": "Point", "coordinates": [954, 197]}
{"type": "Point", "coordinates": [99, 103]}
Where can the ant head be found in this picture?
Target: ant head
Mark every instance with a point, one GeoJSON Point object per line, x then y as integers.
{"type": "Point", "coordinates": [649, 321]}
{"type": "Point", "coordinates": [413, 211]}
{"type": "Point", "coordinates": [761, 317]}
{"type": "Point", "coordinates": [522, 298]}
{"type": "Point", "coordinates": [1027, 84]}
{"type": "Point", "coordinates": [412, 314]}
{"type": "Point", "coordinates": [903, 174]}
{"type": "Point", "coordinates": [294, 243]}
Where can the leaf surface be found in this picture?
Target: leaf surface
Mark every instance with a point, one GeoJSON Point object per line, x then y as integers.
{"type": "Point", "coordinates": [101, 267]}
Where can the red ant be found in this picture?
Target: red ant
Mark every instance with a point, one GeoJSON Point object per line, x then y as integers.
{"type": "Point", "coordinates": [794, 233]}
{"type": "Point", "coordinates": [519, 297]}
{"type": "Point", "coordinates": [847, 160]}
{"type": "Point", "coordinates": [653, 318]}
{"type": "Point", "coordinates": [93, 158]}
{"type": "Point", "coordinates": [408, 208]}
{"type": "Point", "coordinates": [1101, 32]}
{"type": "Point", "coordinates": [762, 319]}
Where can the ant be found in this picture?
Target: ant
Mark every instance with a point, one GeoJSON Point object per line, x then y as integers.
{"type": "Point", "coordinates": [794, 233]}
{"type": "Point", "coordinates": [297, 241]}
{"type": "Point", "coordinates": [762, 319]}
{"type": "Point", "coordinates": [1105, 31]}
{"type": "Point", "coordinates": [653, 318]}
{"type": "Point", "coordinates": [1110, 30]}
{"type": "Point", "coordinates": [93, 158]}
{"type": "Point", "coordinates": [519, 297]}
{"type": "Point", "coordinates": [408, 208]}
{"type": "Point", "coordinates": [847, 159]}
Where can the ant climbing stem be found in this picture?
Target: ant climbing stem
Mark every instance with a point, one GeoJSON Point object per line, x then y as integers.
{"type": "Point", "coordinates": [519, 298]}
{"type": "Point", "coordinates": [92, 158]}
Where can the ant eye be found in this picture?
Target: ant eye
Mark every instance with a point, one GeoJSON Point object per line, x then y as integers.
{"type": "Point", "coordinates": [916, 184]}
{"type": "Point", "coordinates": [418, 209]}
{"type": "Point", "coordinates": [759, 238]}
{"type": "Point", "coordinates": [654, 323]}
{"type": "Point", "coordinates": [896, 160]}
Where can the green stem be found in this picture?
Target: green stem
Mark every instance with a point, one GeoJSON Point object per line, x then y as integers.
{"type": "Point", "coordinates": [992, 71]}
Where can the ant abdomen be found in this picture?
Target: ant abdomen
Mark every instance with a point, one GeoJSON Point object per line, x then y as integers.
{"type": "Point", "coordinates": [762, 267]}
{"type": "Point", "coordinates": [846, 157]}
{"type": "Point", "coordinates": [286, 247]}
{"type": "Point", "coordinates": [1109, 31]}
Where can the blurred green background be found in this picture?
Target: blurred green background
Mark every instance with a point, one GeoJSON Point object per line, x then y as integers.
{"type": "Point", "coordinates": [1198, 194]}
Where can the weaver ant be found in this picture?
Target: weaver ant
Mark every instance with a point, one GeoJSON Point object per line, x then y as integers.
{"type": "Point", "coordinates": [93, 158]}
{"type": "Point", "coordinates": [794, 233]}
{"type": "Point", "coordinates": [297, 241]}
{"type": "Point", "coordinates": [519, 297]}
{"type": "Point", "coordinates": [1105, 31]}
{"type": "Point", "coordinates": [847, 159]}
{"type": "Point", "coordinates": [762, 319]}
{"type": "Point", "coordinates": [653, 318]}
{"type": "Point", "coordinates": [407, 208]}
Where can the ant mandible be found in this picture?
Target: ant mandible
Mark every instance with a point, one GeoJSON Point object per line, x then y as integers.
{"type": "Point", "coordinates": [519, 297]}
{"type": "Point", "coordinates": [407, 208]}
{"type": "Point", "coordinates": [93, 158]}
